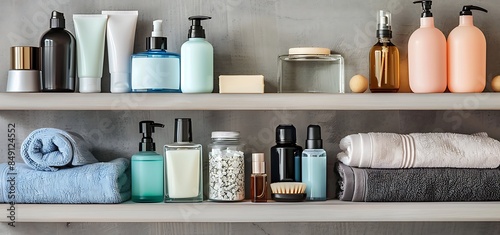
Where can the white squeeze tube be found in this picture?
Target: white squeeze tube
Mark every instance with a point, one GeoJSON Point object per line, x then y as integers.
{"type": "Point", "coordinates": [90, 33]}
{"type": "Point", "coordinates": [121, 34]}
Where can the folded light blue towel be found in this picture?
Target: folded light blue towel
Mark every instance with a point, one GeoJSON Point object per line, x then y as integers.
{"type": "Point", "coordinates": [48, 149]}
{"type": "Point", "coordinates": [103, 182]}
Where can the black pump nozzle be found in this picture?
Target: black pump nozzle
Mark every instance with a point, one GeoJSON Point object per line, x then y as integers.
{"type": "Point", "coordinates": [426, 7]}
{"type": "Point", "coordinates": [57, 20]}
{"type": "Point", "coordinates": [466, 10]}
{"type": "Point", "coordinates": [314, 140]}
{"type": "Point", "coordinates": [147, 128]}
{"type": "Point", "coordinates": [196, 30]}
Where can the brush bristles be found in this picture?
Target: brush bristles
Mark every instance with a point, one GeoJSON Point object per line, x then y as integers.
{"type": "Point", "coordinates": [288, 187]}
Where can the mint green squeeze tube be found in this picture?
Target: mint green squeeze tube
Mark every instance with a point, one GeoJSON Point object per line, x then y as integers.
{"type": "Point", "coordinates": [90, 33]}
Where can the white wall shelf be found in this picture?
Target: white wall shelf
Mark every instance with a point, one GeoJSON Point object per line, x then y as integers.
{"type": "Point", "coordinates": [268, 101]}
{"type": "Point", "coordinates": [329, 211]}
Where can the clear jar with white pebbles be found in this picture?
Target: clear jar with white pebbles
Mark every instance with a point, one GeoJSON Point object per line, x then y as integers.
{"type": "Point", "coordinates": [226, 167]}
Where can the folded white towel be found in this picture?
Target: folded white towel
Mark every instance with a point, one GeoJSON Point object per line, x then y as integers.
{"type": "Point", "coordinates": [390, 150]}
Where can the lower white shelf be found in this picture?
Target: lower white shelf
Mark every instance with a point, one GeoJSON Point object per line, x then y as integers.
{"type": "Point", "coordinates": [329, 211]}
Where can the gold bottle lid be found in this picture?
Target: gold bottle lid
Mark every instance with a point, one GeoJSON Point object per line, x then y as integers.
{"type": "Point", "coordinates": [309, 51]}
{"type": "Point", "coordinates": [24, 58]}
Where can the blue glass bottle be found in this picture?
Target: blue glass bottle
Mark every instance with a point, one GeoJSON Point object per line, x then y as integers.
{"type": "Point", "coordinates": [314, 165]}
{"type": "Point", "coordinates": [156, 70]}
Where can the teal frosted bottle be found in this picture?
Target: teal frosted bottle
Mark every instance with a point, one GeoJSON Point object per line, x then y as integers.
{"type": "Point", "coordinates": [147, 167]}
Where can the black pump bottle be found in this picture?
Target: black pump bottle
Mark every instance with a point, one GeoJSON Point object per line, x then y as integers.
{"type": "Point", "coordinates": [58, 56]}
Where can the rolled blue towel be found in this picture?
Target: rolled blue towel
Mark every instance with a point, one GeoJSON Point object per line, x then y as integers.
{"type": "Point", "coordinates": [48, 149]}
{"type": "Point", "coordinates": [103, 182]}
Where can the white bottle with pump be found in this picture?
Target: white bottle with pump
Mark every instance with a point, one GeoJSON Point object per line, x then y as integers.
{"type": "Point", "coordinates": [467, 55]}
{"type": "Point", "coordinates": [197, 60]}
{"type": "Point", "coordinates": [427, 55]}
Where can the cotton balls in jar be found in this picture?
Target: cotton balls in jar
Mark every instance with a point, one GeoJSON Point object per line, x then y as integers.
{"type": "Point", "coordinates": [358, 83]}
{"type": "Point", "coordinates": [495, 83]}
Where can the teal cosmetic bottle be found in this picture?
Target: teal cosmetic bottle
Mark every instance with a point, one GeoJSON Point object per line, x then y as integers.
{"type": "Point", "coordinates": [147, 167]}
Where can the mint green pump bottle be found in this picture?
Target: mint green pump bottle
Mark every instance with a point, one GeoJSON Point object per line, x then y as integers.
{"type": "Point", "coordinates": [197, 60]}
{"type": "Point", "coordinates": [147, 167]}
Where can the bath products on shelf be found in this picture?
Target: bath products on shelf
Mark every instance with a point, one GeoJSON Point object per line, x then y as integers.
{"type": "Point", "coordinates": [311, 69]}
{"type": "Point", "coordinates": [384, 58]}
{"type": "Point", "coordinates": [58, 56]}
{"type": "Point", "coordinates": [226, 167]}
{"type": "Point", "coordinates": [467, 54]}
{"type": "Point", "coordinates": [183, 166]}
{"type": "Point", "coordinates": [24, 73]}
{"type": "Point", "coordinates": [286, 156]}
{"type": "Point", "coordinates": [258, 179]}
{"type": "Point", "coordinates": [427, 65]}
{"type": "Point", "coordinates": [197, 60]}
{"type": "Point", "coordinates": [147, 167]}
{"type": "Point", "coordinates": [120, 33]}
{"type": "Point", "coordinates": [156, 70]}
{"type": "Point", "coordinates": [314, 165]}
{"type": "Point", "coordinates": [90, 31]}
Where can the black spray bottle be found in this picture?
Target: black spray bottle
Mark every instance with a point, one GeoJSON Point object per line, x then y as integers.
{"type": "Point", "coordinates": [58, 55]}
{"type": "Point", "coordinates": [286, 156]}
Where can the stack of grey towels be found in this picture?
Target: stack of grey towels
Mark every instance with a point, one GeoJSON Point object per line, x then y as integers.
{"type": "Point", "coordinates": [431, 167]}
{"type": "Point", "coordinates": [59, 168]}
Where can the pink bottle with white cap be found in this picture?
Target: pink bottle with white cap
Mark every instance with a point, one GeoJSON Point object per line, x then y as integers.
{"type": "Point", "coordinates": [467, 55]}
{"type": "Point", "coordinates": [427, 55]}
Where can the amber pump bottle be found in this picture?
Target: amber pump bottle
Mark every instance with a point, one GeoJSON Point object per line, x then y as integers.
{"type": "Point", "coordinates": [258, 179]}
{"type": "Point", "coordinates": [384, 58]}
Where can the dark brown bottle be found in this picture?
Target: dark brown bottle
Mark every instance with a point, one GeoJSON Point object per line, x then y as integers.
{"type": "Point", "coordinates": [258, 179]}
{"type": "Point", "coordinates": [58, 57]}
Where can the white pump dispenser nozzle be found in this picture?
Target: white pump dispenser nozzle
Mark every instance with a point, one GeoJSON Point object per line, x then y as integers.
{"type": "Point", "coordinates": [157, 28]}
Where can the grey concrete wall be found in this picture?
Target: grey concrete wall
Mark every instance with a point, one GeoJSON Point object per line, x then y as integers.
{"type": "Point", "coordinates": [247, 37]}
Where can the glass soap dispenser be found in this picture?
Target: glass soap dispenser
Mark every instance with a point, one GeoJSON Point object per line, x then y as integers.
{"type": "Point", "coordinates": [183, 166]}
{"type": "Point", "coordinates": [156, 70]}
{"type": "Point", "coordinates": [384, 58]}
{"type": "Point", "coordinates": [147, 167]}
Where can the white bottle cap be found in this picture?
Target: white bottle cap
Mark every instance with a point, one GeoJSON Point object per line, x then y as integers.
{"type": "Point", "coordinates": [157, 29]}
{"type": "Point", "coordinates": [120, 82]}
{"type": "Point", "coordinates": [225, 135]}
{"type": "Point", "coordinates": [89, 85]}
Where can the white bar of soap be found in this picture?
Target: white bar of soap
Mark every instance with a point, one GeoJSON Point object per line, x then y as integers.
{"type": "Point", "coordinates": [241, 84]}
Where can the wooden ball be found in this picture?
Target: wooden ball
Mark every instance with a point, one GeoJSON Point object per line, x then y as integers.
{"type": "Point", "coordinates": [358, 84]}
{"type": "Point", "coordinates": [495, 83]}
